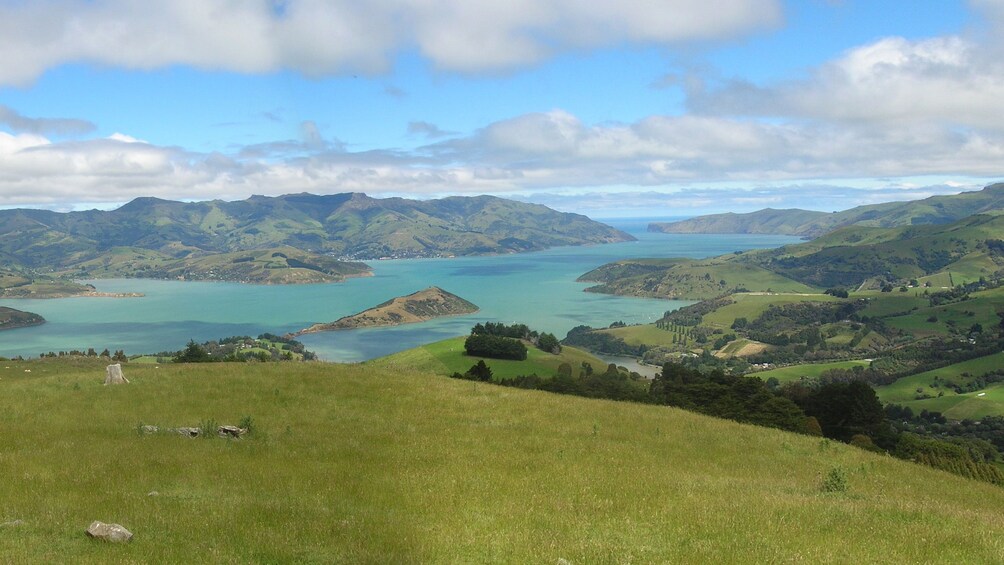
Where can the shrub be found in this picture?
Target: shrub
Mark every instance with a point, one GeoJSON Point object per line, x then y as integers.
{"type": "Point", "coordinates": [835, 481]}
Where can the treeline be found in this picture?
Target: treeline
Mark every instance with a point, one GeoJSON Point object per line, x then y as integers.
{"type": "Point", "coordinates": [586, 338]}
{"type": "Point", "coordinates": [612, 384]}
{"type": "Point", "coordinates": [500, 341]}
{"type": "Point", "coordinates": [118, 356]}
{"type": "Point", "coordinates": [266, 348]}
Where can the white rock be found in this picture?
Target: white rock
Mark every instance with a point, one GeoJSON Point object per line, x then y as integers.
{"type": "Point", "coordinates": [108, 532]}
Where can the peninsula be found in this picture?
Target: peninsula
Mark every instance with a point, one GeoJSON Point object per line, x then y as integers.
{"type": "Point", "coordinates": [420, 306]}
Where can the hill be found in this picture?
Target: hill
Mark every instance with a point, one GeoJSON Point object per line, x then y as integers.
{"type": "Point", "coordinates": [420, 306]}
{"type": "Point", "coordinates": [933, 210]}
{"type": "Point", "coordinates": [365, 464]}
{"type": "Point", "coordinates": [11, 319]}
{"type": "Point", "coordinates": [346, 225]}
{"type": "Point", "coordinates": [855, 256]}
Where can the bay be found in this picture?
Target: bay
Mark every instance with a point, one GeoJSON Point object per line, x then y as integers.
{"type": "Point", "coordinates": [537, 289]}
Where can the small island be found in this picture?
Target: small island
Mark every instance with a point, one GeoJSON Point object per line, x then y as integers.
{"type": "Point", "coordinates": [11, 319]}
{"type": "Point", "coordinates": [420, 306]}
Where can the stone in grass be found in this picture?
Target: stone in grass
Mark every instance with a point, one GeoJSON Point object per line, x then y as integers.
{"type": "Point", "coordinates": [108, 532]}
{"type": "Point", "coordinates": [231, 431]}
{"type": "Point", "coordinates": [190, 432]}
{"type": "Point", "coordinates": [114, 376]}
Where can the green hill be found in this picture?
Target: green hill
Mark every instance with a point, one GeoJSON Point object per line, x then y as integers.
{"type": "Point", "coordinates": [958, 253]}
{"type": "Point", "coordinates": [448, 356]}
{"type": "Point", "coordinates": [933, 210]}
{"type": "Point", "coordinates": [426, 304]}
{"type": "Point", "coordinates": [364, 465]}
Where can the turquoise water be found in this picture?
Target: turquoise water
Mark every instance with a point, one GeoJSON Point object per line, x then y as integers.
{"type": "Point", "coordinates": [537, 289]}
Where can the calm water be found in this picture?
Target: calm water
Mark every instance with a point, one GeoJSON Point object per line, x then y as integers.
{"type": "Point", "coordinates": [538, 289]}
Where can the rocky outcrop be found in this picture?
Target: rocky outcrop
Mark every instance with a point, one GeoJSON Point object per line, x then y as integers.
{"type": "Point", "coordinates": [113, 533]}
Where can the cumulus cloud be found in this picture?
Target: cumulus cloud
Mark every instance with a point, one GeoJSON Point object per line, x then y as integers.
{"type": "Point", "coordinates": [322, 37]}
{"type": "Point", "coordinates": [950, 79]}
{"type": "Point", "coordinates": [529, 153]}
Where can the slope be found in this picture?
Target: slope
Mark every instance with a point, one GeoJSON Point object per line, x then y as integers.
{"type": "Point", "coordinates": [357, 464]}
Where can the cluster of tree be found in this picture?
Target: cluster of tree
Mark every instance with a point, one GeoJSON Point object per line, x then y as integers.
{"type": "Point", "coordinates": [613, 384]}
{"type": "Point", "coordinates": [118, 356]}
{"type": "Point", "coordinates": [495, 347]}
{"type": "Point", "coordinates": [586, 338]}
{"type": "Point", "coordinates": [692, 314]}
{"type": "Point", "coordinates": [851, 412]}
{"type": "Point", "coordinates": [267, 347]}
{"type": "Point", "coordinates": [542, 340]}
{"type": "Point", "coordinates": [743, 399]}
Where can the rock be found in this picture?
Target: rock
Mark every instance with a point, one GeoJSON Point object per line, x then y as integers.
{"type": "Point", "coordinates": [153, 493]}
{"type": "Point", "coordinates": [150, 429]}
{"type": "Point", "coordinates": [12, 524]}
{"type": "Point", "coordinates": [231, 431]}
{"type": "Point", "coordinates": [114, 376]}
{"type": "Point", "coordinates": [108, 532]}
{"type": "Point", "coordinates": [190, 432]}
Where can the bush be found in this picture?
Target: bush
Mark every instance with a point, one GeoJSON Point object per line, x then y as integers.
{"type": "Point", "coordinates": [835, 481]}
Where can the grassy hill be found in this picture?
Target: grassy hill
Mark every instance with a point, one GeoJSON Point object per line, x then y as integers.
{"type": "Point", "coordinates": [363, 464]}
{"type": "Point", "coordinates": [448, 356]}
{"type": "Point", "coordinates": [426, 304]}
{"type": "Point", "coordinates": [933, 210]}
{"type": "Point", "coordinates": [853, 257]}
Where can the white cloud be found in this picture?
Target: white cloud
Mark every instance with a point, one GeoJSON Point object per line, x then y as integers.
{"type": "Point", "coordinates": [322, 37]}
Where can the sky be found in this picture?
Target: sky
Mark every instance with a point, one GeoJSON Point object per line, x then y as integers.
{"type": "Point", "coordinates": [609, 107]}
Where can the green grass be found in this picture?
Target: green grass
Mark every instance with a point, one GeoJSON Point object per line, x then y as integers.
{"type": "Point", "coordinates": [646, 334]}
{"type": "Point", "coordinates": [356, 464]}
{"type": "Point", "coordinates": [448, 356]}
{"type": "Point", "coordinates": [952, 405]}
{"type": "Point", "coordinates": [811, 370]}
{"type": "Point", "coordinates": [750, 306]}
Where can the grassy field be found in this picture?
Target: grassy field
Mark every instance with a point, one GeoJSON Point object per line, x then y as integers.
{"type": "Point", "coordinates": [955, 406]}
{"type": "Point", "coordinates": [448, 356]}
{"type": "Point", "coordinates": [365, 465]}
{"type": "Point", "coordinates": [981, 308]}
{"type": "Point", "coordinates": [750, 306]}
{"type": "Point", "coordinates": [646, 334]}
{"type": "Point", "coordinates": [811, 370]}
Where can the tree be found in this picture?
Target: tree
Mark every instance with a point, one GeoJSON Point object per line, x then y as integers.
{"type": "Point", "coordinates": [193, 353]}
{"type": "Point", "coordinates": [549, 343]}
{"type": "Point", "coordinates": [480, 371]}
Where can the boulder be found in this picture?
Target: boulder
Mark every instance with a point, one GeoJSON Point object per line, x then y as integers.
{"type": "Point", "coordinates": [190, 432]}
{"type": "Point", "coordinates": [108, 532]}
{"type": "Point", "coordinates": [114, 376]}
{"type": "Point", "coordinates": [231, 431]}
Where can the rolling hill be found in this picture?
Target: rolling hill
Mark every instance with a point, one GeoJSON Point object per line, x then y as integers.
{"type": "Point", "coordinates": [362, 464]}
{"type": "Point", "coordinates": [854, 256]}
{"type": "Point", "coordinates": [933, 210]}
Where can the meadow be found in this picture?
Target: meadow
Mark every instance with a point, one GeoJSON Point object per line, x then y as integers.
{"type": "Point", "coordinates": [907, 390]}
{"type": "Point", "coordinates": [810, 370]}
{"type": "Point", "coordinates": [448, 356]}
{"type": "Point", "coordinates": [366, 464]}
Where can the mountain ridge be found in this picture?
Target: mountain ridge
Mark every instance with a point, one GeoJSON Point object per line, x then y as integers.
{"type": "Point", "coordinates": [942, 209]}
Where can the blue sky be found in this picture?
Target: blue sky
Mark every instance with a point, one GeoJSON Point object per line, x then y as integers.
{"type": "Point", "coordinates": [611, 108]}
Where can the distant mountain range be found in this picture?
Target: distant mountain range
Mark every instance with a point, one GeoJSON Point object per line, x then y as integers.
{"type": "Point", "coordinates": [807, 223]}
{"type": "Point", "coordinates": [292, 238]}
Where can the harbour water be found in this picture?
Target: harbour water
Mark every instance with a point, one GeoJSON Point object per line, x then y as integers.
{"type": "Point", "coordinates": [538, 289]}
